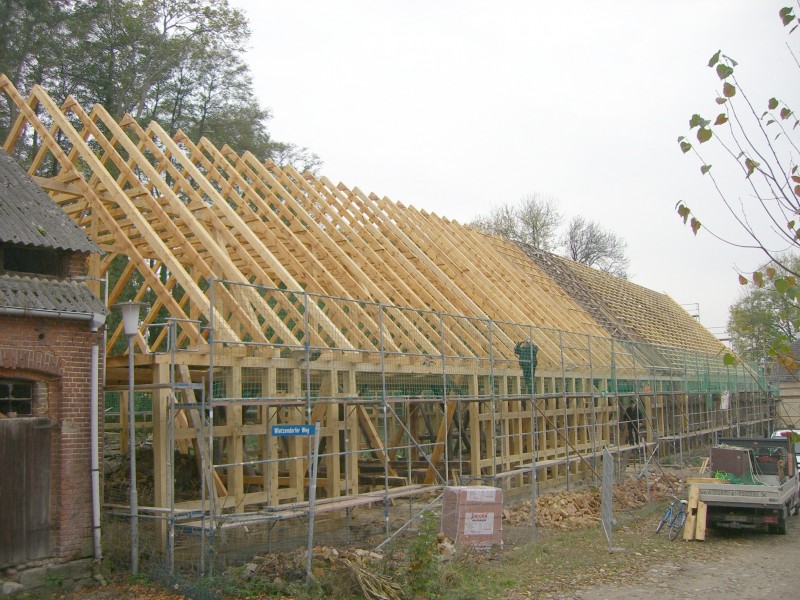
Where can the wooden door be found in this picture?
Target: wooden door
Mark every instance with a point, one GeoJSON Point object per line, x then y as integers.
{"type": "Point", "coordinates": [24, 490]}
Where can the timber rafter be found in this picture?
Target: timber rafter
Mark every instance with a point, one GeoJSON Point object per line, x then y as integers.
{"type": "Point", "coordinates": [183, 214]}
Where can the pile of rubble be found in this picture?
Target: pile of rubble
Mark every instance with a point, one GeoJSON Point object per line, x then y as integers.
{"type": "Point", "coordinates": [365, 572]}
{"type": "Point", "coordinates": [569, 510]}
{"type": "Point", "coordinates": [354, 569]}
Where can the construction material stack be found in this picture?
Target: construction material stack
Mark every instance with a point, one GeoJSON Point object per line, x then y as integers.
{"type": "Point", "coordinates": [473, 515]}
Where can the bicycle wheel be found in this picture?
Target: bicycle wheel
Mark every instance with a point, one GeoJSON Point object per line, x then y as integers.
{"type": "Point", "coordinates": [677, 524]}
{"type": "Point", "coordinates": [664, 519]}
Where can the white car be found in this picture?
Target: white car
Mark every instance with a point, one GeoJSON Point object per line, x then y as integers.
{"type": "Point", "coordinates": [786, 432]}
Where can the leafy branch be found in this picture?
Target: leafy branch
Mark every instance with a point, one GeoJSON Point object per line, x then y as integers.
{"type": "Point", "coordinates": [763, 145]}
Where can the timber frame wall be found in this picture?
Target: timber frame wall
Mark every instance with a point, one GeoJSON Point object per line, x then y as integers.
{"type": "Point", "coordinates": [278, 297]}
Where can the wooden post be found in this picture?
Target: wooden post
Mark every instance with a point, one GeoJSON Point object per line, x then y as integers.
{"type": "Point", "coordinates": [235, 442]}
{"type": "Point", "coordinates": [269, 444]}
{"type": "Point", "coordinates": [351, 433]}
{"type": "Point", "coordinates": [474, 427]}
{"type": "Point", "coordinates": [163, 489]}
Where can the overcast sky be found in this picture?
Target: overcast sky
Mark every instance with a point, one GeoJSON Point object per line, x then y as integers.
{"type": "Point", "coordinates": [458, 106]}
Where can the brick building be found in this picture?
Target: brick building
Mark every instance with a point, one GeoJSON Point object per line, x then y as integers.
{"type": "Point", "coordinates": [50, 341]}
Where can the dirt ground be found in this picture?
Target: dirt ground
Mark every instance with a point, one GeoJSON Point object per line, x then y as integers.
{"type": "Point", "coordinates": [741, 565]}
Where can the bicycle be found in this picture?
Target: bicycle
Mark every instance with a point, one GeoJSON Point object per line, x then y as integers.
{"type": "Point", "coordinates": [674, 518]}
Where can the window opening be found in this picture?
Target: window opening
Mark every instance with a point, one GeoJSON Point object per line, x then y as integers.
{"type": "Point", "coordinates": [16, 397]}
{"type": "Point", "coordinates": [38, 261]}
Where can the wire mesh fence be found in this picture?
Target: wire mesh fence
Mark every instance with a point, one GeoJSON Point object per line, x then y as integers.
{"type": "Point", "coordinates": [405, 403]}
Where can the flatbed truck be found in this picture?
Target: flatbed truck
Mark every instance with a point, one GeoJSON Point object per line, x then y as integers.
{"type": "Point", "coordinates": [758, 486]}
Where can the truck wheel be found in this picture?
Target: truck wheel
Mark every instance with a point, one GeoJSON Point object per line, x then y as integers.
{"type": "Point", "coordinates": [783, 526]}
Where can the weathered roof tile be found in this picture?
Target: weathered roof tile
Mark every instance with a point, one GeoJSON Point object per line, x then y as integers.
{"type": "Point", "coordinates": [48, 295]}
{"type": "Point", "coordinates": [28, 216]}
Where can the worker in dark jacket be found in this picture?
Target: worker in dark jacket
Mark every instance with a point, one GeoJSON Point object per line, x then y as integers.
{"type": "Point", "coordinates": [632, 418]}
{"type": "Point", "coordinates": [526, 352]}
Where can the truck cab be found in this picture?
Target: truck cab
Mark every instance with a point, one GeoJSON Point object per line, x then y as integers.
{"type": "Point", "coordinates": [790, 434]}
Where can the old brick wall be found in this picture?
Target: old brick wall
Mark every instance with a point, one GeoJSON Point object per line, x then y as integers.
{"type": "Point", "coordinates": [56, 353]}
{"type": "Point", "coordinates": [75, 264]}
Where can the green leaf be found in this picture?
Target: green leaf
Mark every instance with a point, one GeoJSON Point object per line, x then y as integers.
{"type": "Point", "coordinates": [728, 90]}
{"type": "Point", "coordinates": [703, 135]}
{"type": "Point", "coordinates": [751, 165]}
{"type": "Point", "coordinates": [786, 14]}
{"type": "Point", "coordinates": [685, 146]}
{"type": "Point", "coordinates": [695, 225]}
{"type": "Point", "coordinates": [785, 113]}
{"type": "Point", "coordinates": [705, 169]}
{"type": "Point", "coordinates": [698, 121]}
{"type": "Point", "coordinates": [728, 359]}
{"type": "Point", "coordinates": [781, 285]}
{"type": "Point", "coordinates": [791, 224]}
{"type": "Point", "coordinates": [721, 119]}
{"type": "Point", "coordinates": [684, 212]}
{"type": "Point", "coordinates": [758, 278]}
{"type": "Point", "coordinates": [714, 59]}
{"type": "Point", "coordinates": [773, 103]}
{"type": "Point", "coordinates": [724, 71]}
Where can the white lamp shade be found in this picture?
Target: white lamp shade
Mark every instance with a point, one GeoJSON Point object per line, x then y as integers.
{"type": "Point", "coordinates": [130, 315]}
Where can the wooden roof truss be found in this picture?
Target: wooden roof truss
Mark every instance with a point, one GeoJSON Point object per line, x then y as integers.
{"type": "Point", "coordinates": [187, 213]}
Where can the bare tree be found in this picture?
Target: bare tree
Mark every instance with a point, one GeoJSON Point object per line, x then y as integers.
{"type": "Point", "coordinates": [534, 221]}
{"type": "Point", "coordinates": [500, 221]}
{"type": "Point", "coordinates": [588, 243]}
{"type": "Point", "coordinates": [539, 219]}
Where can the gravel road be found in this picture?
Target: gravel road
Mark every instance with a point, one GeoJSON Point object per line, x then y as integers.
{"type": "Point", "coordinates": [740, 565]}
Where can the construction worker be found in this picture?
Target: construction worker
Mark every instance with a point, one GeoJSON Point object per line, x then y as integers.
{"type": "Point", "coordinates": [526, 352]}
{"type": "Point", "coordinates": [632, 418]}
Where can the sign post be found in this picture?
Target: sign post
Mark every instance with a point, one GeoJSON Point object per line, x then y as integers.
{"type": "Point", "coordinates": [305, 430]}
{"type": "Point", "coordinates": [293, 430]}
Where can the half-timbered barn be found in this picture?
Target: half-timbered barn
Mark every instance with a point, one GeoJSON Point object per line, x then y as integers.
{"type": "Point", "coordinates": [425, 352]}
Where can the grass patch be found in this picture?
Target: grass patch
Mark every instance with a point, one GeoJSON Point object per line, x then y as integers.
{"type": "Point", "coordinates": [563, 560]}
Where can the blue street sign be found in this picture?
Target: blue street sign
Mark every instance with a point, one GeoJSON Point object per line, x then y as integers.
{"type": "Point", "coordinates": [293, 430]}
